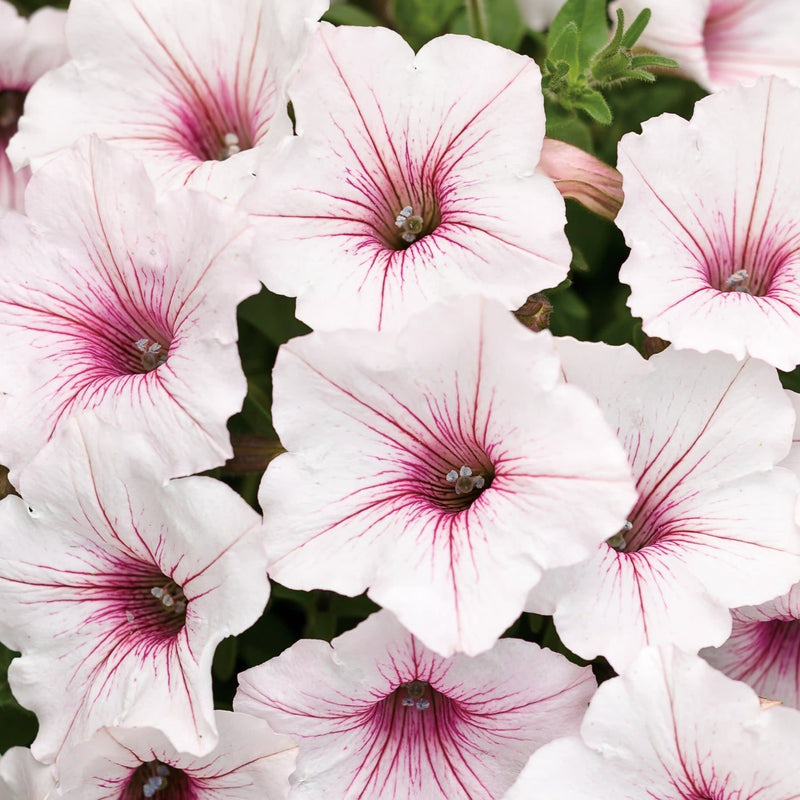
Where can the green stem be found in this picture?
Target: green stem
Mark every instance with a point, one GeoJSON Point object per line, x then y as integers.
{"type": "Point", "coordinates": [478, 19]}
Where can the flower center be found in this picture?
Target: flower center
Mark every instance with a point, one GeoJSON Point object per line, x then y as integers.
{"type": "Point", "coordinates": [415, 695]}
{"type": "Point", "coordinates": [464, 481]}
{"type": "Point", "coordinates": [151, 354]}
{"type": "Point", "coordinates": [617, 541]}
{"type": "Point", "coordinates": [738, 281]}
{"type": "Point", "coordinates": [171, 596]}
{"type": "Point", "coordinates": [230, 146]}
{"type": "Point", "coordinates": [158, 780]}
{"type": "Point", "coordinates": [413, 223]}
{"type": "Point", "coordinates": [11, 103]}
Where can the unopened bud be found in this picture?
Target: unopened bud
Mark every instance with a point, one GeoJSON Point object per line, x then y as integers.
{"type": "Point", "coordinates": [535, 312]}
{"type": "Point", "coordinates": [581, 176]}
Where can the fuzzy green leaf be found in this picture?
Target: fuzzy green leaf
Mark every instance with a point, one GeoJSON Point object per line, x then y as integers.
{"type": "Point", "coordinates": [590, 18]}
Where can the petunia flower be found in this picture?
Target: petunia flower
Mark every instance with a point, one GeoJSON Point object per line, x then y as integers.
{"type": "Point", "coordinates": [193, 95]}
{"type": "Point", "coordinates": [251, 762]}
{"type": "Point", "coordinates": [442, 467]}
{"type": "Point", "coordinates": [409, 183]}
{"type": "Point", "coordinates": [671, 728]}
{"type": "Point", "coordinates": [117, 589]}
{"type": "Point", "coordinates": [719, 43]}
{"type": "Point", "coordinates": [24, 778]}
{"type": "Point", "coordinates": [378, 715]}
{"type": "Point", "coordinates": [714, 526]}
{"type": "Point", "coordinates": [763, 649]}
{"type": "Point", "coordinates": [710, 217]}
{"type": "Point", "coordinates": [122, 303]}
{"type": "Point", "coordinates": [28, 48]}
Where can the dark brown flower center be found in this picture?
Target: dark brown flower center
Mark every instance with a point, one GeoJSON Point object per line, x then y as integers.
{"type": "Point", "coordinates": [11, 103]}
{"type": "Point", "coordinates": [159, 781]}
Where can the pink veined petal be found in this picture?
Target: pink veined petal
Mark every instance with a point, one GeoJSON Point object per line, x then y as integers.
{"type": "Point", "coordinates": [24, 778]}
{"type": "Point", "coordinates": [720, 43]}
{"type": "Point", "coordinates": [715, 519]}
{"type": "Point", "coordinates": [539, 13]}
{"type": "Point", "coordinates": [28, 48]}
{"type": "Point", "coordinates": [387, 136]}
{"type": "Point", "coordinates": [375, 422]}
{"type": "Point", "coordinates": [671, 727]}
{"type": "Point", "coordinates": [87, 561]}
{"type": "Point", "coordinates": [377, 714]}
{"type": "Point", "coordinates": [222, 76]}
{"type": "Point", "coordinates": [709, 217]}
{"type": "Point", "coordinates": [251, 762]}
{"type": "Point", "coordinates": [127, 306]}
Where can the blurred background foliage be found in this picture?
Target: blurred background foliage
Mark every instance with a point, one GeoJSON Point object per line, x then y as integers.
{"type": "Point", "coordinates": [589, 305]}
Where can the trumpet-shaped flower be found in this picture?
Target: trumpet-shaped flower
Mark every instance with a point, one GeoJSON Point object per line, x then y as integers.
{"type": "Point", "coordinates": [24, 778]}
{"type": "Point", "coordinates": [719, 43]}
{"type": "Point", "coordinates": [193, 95]}
{"type": "Point", "coordinates": [443, 466]}
{"type": "Point", "coordinates": [117, 589]}
{"type": "Point", "coordinates": [710, 217]}
{"type": "Point", "coordinates": [763, 649]}
{"type": "Point", "coordinates": [123, 303]}
{"type": "Point", "coordinates": [408, 184]}
{"type": "Point", "coordinates": [251, 762]}
{"type": "Point", "coordinates": [28, 48]}
{"type": "Point", "coordinates": [714, 526]}
{"type": "Point", "coordinates": [377, 714]}
{"type": "Point", "coordinates": [671, 728]}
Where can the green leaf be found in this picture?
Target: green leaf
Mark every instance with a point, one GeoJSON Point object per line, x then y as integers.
{"type": "Point", "coordinates": [565, 49]}
{"type": "Point", "coordinates": [631, 36]}
{"type": "Point", "coordinates": [345, 14]}
{"type": "Point", "coordinates": [652, 60]}
{"type": "Point", "coordinates": [594, 104]}
{"type": "Point", "coordinates": [419, 21]}
{"type": "Point", "coordinates": [590, 18]}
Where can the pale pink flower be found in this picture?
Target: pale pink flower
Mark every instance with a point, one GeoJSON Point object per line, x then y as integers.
{"type": "Point", "coordinates": [442, 467]}
{"type": "Point", "coordinates": [413, 180]}
{"type": "Point", "coordinates": [719, 43]}
{"type": "Point", "coordinates": [710, 215]}
{"type": "Point", "coordinates": [714, 526]}
{"type": "Point", "coordinates": [763, 649]}
{"type": "Point", "coordinates": [378, 715]}
{"type": "Point", "coordinates": [28, 48]}
{"type": "Point", "coordinates": [117, 589]}
{"type": "Point", "coordinates": [194, 93]}
{"type": "Point", "coordinates": [24, 778]}
{"type": "Point", "coordinates": [251, 762]}
{"type": "Point", "coordinates": [114, 300]}
{"type": "Point", "coordinates": [670, 728]}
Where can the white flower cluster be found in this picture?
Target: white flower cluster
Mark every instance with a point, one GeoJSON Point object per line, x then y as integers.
{"type": "Point", "coordinates": [453, 464]}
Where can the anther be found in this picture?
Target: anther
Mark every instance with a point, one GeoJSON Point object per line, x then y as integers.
{"type": "Point", "coordinates": [155, 783]}
{"type": "Point", "coordinates": [171, 596]}
{"type": "Point", "coordinates": [415, 691]}
{"type": "Point", "coordinates": [410, 223]}
{"type": "Point", "coordinates": [464, 480]}
{"type": "Point", "coordinates": [617, 541]}
{"type": "Point", "coordinates": [151, 354]}
{"type": "Point", "coordinates": [739, 281]}
{"type": "Point", "coordinates": [231, 146]}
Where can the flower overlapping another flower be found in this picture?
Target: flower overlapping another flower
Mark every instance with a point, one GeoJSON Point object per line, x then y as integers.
{"type": "Point", "coordinates": [453, 464]}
